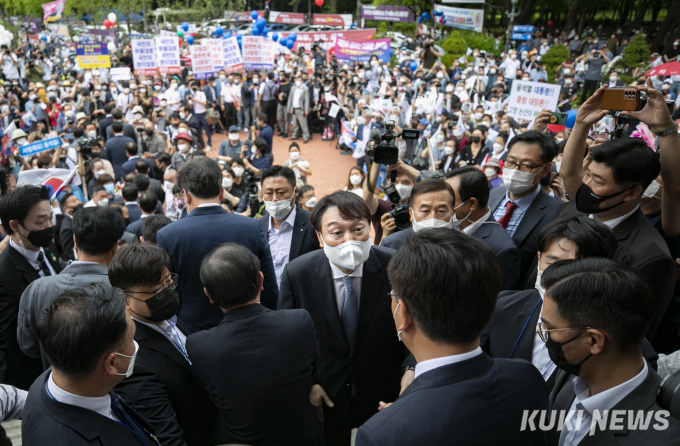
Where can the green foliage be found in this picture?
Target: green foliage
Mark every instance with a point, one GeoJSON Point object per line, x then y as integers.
{"type": "Point", "coordinates": [553, 58]}
{"type": "Point", "coordinates": [458, 41]}
{"type": "Point", "coordinates": [635, 55]}
{"type": "Point", "coordinates": [447, 59]}
{"type": "Point", "coordinates": [455, 45]}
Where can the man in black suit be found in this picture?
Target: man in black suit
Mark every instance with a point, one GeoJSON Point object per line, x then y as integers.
{"type": "Point", "coordinates": [603, 373]}
{"type": "Point", "coordinates": [132, 152]}
{"type": "Point", "coordinates": [190, 239]}
{"type": "Point", "coordinates": [69, 204]}
{"type": "Point", "coordinates": [259, 382]}
{"type": "Point", "coordinates": [521, 206]}
{"type": "Point", "coordinates": [610, 189]}
{"type": "Point", "coordinates": [115, 149]}
{"type": "Point", "coordinates": [26, 217]}
{"type": "Point", "coordinates": [155, 186]}
{"type": "Point", "coordinates": [89, 340]}
{"type": "Point", "coordinates": [287, 227]}
{"type": "Point", "coordinates": [151, 226]}
{"type": "Point", "coordinates": [345, 290]}
{"type": "Point", "coordinates": [130, 194]}
{"type": "Point", "coordinates": [106, 122]}
{"type": "Point", "coordinates": [439, 316]}
{"type": "Point", "coordinates": [161, 387]}
{"type": "Point", "coordinates": [128, 130]}
{"type": "Point", "coordinates": [147, 204]}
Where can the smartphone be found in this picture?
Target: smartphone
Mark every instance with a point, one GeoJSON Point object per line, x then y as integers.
{"type": "Point", "coordinates": [558, 118]}
{"type": "Point", "coordinates": [621, 99]}
{"type": "Point", "coordinates": [68, 136]}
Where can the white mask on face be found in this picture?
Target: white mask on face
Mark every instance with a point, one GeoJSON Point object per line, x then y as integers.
{"type": "Point", "coordinates": [157, 87]}
{"type": "Point", "coordinates": [164, 104]}
{"type": "Point", "coordinates": [92, 134]}
{"type": "Point", "coordinates": [652, 189]}
{"type": "Point", "coordinates": [99, 173]}
{"type": "Point", "coordinates": [21, 142]}
{"type": "Point", "coordinates": [478, 116]}
{"type": "Point", "coordinates": [431, 223]}
{"type": "Point", "coordinates": [361, 120]}
{"type": "Point", "coordinates": [233, 136]}
{"type": "Point", "coordinates": [294, 155]}
{"type": "Point", "coordinates": [489, 172]}
{"type": "Point", "coordinates": [103, 203]}
{"type": "Point", "coordinates": [298, 83]}
{"type": "Point", "coordinates": [131, 366]}
{"type": "Point", "coordinates": [227, 182]}
{"type": "Point", "coordinates": [279, 209]}
{"type": "Point", "coordinates": [404, 191]}
{"type": "Point", "coordinates": [168, 185]}
{"type": "Point", "coordinates": [497, 148]}
{"type": "Point", "coordinates": [355, 180]}
{"type": "Point", "coordinates": [518, 182]}
{"type": "Point", "coordinates": [449, 88]}
{"type": "Point", "coordinates": [184, 148]}
{"type": "Point", "coordinates": [311, 202]}
{"type": "Point", "coordinates": [448, 150]}
{"type": "Point", "coordinates": [558, 165]}
{"type": "Point", "coordinates": [238, 171]}
{"type": "Point", "coordinates": [348, 255]}
{"type": "Point", "coordinates": [182, 115]}
{"type": "Point", "coordinates": [454, 220]}
{"type": "Point", "coordinates": [567, 82]}
{"type": "Point", "coordinates": [538, 286]}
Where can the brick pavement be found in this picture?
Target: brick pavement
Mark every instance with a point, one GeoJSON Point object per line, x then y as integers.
{"type": "Point", "coordinates": [330, 170]}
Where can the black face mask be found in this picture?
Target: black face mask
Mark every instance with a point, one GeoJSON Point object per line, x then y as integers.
{"type": "Point", "coordinates": [476, 139]}
{"type": "Point", "coordinates": [41, 238]}
{"type": "Point", "coordinates": [149, 132]}
{"type": "Point", "coordinates": [588, 202]}
{"type": "Point", "coordinates": [557, 356]}
{"type": "Point", "coordinates": [162, 306]}
{"type": "Point", "coordinates": [77, 207]}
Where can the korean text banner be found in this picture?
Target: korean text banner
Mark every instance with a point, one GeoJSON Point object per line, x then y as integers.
{"type": "Point", "coordinates": [201, 61]}
{"type": "Point", "coordinates": [233, 61]}
{"type": "Point", "coordinates": [53, 10]}
{"type": "Point", "coordinates": [216, 53]}
{"type": "Point", "coordinates": [387, 13]}
{"type": "Point", "coordinates": [326, 39]}
{"type": "Point", "coordinates": [258, 52]}
{"type": "Point", "coordinates": [40, 146]}
{"type": "Point", "coordinates": [93, 55]}
{"type": "Point", "coordinates": [101, 35]}
{"type": "Point", "coordinates": [528, 98]}
{"type": "Point", "coordinates": [471, 19]}
{"type": "Point", "coordinates": [292, 18]}
{"type": "Point", "coordinates": [167, 54]}
{"type": "Point", "coordinates": [332, 19]}
{"type": "Point", "coordinates": [362, 51]}
{"type": "Point", "coordinates": [144, 57]}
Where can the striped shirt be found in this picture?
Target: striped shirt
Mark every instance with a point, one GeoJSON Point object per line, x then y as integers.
{"type": "Point", "coordinates": [522, 206]}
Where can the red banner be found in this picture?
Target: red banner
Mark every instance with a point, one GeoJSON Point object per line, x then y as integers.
{"type": "Point", "coordinates": [327, 38]}
{"type": "Point", "coordinates": [291, 18]}
{"type": "Point", "coordinates": [34, 39]}
{"type": "Point", "coordinates": [333, 19]}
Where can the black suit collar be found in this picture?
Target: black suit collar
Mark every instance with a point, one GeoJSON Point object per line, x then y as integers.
{"type": "Point", "coordinates": [626, 227]}
{"type": "Point", "coordinates": [159, 343]}
{"type": "Point", "coordinates": [484, 230]}
{"type": "Point", "coordinates": [525, 325]}
{"type": "Point", "coordinates": [207, 210]}
{"type": "Point", "coordinates": [302, 218]}
{"type": "Point", "coordinates": [244, 312]}
{"type": "Point", "coordinates": [21, 264]}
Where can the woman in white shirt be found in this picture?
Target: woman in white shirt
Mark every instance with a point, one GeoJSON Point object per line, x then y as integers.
{"type": "Point", "coordinates": [355, 180]}
{"type": "Point", "coordinates": [298, 165]}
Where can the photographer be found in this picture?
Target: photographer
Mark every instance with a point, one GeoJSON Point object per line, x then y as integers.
{"type": "Point", "coordinates": [429, 55]}
{"type": "Point", "coordinates": [595, 59]}
{"type": "Point", "coordinates": [258, 162]}
{"type": "Point", "coordinates": [10, 66]}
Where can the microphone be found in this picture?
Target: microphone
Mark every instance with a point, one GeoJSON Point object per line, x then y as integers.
{"type": "Point", "coordinates": [376, 135]}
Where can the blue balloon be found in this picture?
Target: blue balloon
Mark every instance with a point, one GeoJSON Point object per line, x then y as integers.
{"type": "Point", "coordinates": [185, 26]}
{"type": "Point", "coordinates": [353, 25]}
{"type": "Point", "coordinates": [255, 31]}
{"type": "Point", "coordinates": [219, 31]}
{"type": "Point", "coordinates": [275, 37]}
{"type": "Point", "coordinates": [571, 119]}
{"type": "Point", "coordinates": [253, 15]}
{"type": "Point", "coordinates": [239, 36]}
{"type": "Point", "coordinates": [292, 37]}
{"type": "Point", "coordinates": [420, 20]}
{"type": "Point", "coordinates": [413, 65]}
{"type": "Point", "coordinates": [290, 44]}
{"type": "Point", "coordinates": [189, 39]}
{"type": "Point", "coordinates": [261, 23]}
{"type": "Point", "coordinates": [44, 38]}
{"type": "Point", "coordinates": [85, 39]}
{"type": "Point", "coordinates": [264, 31]}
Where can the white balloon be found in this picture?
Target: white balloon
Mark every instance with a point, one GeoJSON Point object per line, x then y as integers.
{"type": "Point", "coordinates": [111, 47]}
{"type": "Point", "coordinates": [76, 39]}
{"type": "Point", "coordinates": [113, 17]}
{"type": "Point", "coordinates": [2, 28]}
{"type": "Point", "coordinates": [48, 39]}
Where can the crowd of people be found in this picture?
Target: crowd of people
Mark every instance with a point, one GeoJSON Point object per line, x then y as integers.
{"type": "Point", "coordinates": [499, 273]}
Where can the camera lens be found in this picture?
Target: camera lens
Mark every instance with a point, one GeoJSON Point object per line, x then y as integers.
{"type": "Point", "coordinates": [667, 396]}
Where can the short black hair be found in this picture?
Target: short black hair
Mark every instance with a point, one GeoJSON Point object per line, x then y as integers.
{"type": "Point", "coordinates": [262, 116]}
{"type": "Point", "coordinates": [81, 325]}
{"type": "Point", "coordinates": [141, 167]}
{"type": "Point", "coordinates": [131, 148]}
{"type": "Point", "coordinates": [280, 171]}
{"type": "Point", "coordinates": [603, 294]}
{"type": "Point", "coordinates": [130, 192]}
{"type": "Point", "coordinates": [164, 158]}
{"type": "Point", "coordinates": [117, 114]}
{"type": "Point", "coordinates": [448, 308]}
{"type": "Point", "coordinates": [630, 160]}
{"type": "Point", "coordinates": [138, 265]}
{"type": "Point", "coordinates": [201, 177]}
{"type": "Point", "coordinates": [547, 144]}
{"type": "Point", "coordinates": [98, 189]}
{"type": "Point", "coordinates": [431, 185]}
{"type": "Point", "coordinates": [350, 206]}
{"type": "Point", "coordinates": [473, 184]}
{"type": "Point", "coordinates": [97, 229]}
{"type": "Point", "coordinates": [592, 238]}
{"type": "Point", "coordinates": [152, 224]}
{"type": "Point", "coordinates": [16, 204]}
{"type": "Point", "coordinates": [148, 202]}
{"type": "Point", "coordinates": [230, 275]}
{"type": "Point", "coordinates": [142, 182]}
{"type": "Point", "coordinates": [107, 108]}
{"type": "Point", "coordinates": [117, 127]}
{"type": "Point", "coordinates": [261, 145]}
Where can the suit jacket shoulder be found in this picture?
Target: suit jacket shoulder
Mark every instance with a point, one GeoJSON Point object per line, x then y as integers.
{"type": "Point", "coordinates": [394, 241]}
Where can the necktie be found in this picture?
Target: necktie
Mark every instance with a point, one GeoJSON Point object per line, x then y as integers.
{"type": "Point", "coordinates": [128, 421]}
{"type": "Point", "coordinates": [349, 310]}
{"type": "Point", "coordinates": [43, 264]}
{"type": "Point", "coordinates": [509, 209]}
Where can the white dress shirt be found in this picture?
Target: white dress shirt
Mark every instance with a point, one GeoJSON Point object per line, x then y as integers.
{"type": "Point", "coordinates": [296, 97]}
{"type": "Point", "coordinates": [230, 93]}
{"type": "Point", "coordinates": [539, 354]}
{"type": "Point", "coordinates": [169, 330]}
{"type": "Point", "coordinates": [279, 243]}
{"type": "Point", "coordinates": [589, 404]}
{"type": "Point", "coordinates": [614, 222]}
{"type": "Point", "coordinates": [101, 405]}
{"type": "Point", "coordinates": [431, 364]}
{"type": "Point", "coordinates": [174, 99]}
{"type": "Point", "coordinates": [32, 257]}
{"type": "Point", "coordinates": [339, 285]}
{"type": "Point", "coordinates": [199, 96]}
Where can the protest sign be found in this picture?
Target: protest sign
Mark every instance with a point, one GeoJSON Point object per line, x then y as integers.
{"type": "Point", "coordinates": [99, 35]}
{"type": "Point", "coordinates": [166, 33]}
{"type": "Point", "coordinates": [258, 52]}
{"type": "Point", "coordinates": [233, 61]}
{"type": "Point", "coordinates": [167, 54]}
{"type": "Point", "coordinates": [40, 146]}
{"type": "Point", "coordinates": [120, 74]}
{"type": "Point", "coordinates": [144, 57]}
{"type": "Point", "coordinates": [471, 19]}
{"type": "Point", "coordinates": [291, 18]}
{"type": "Point", "coordinates": [528, 98]}
{"type": "Point", "coordinates": [386, 13]}
{"type": "Point", "coordinates": [362, 51]}
{"type": "Point", "coordinates": [332, 19]}
{"type": "Point", "coordinates": [216, 54]}
{"type": "Point", "coordinates": [191, 29]}
{"type": "Point", "coordinates": [93, 55]}
{"type": "Point", "coordinates": [327, 39]}
{"type": "Point", "coordinates": [201, 62]}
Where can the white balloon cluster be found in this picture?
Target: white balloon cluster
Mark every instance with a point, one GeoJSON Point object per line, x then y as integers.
{"type": "Point", "coordinates": [6, 37]}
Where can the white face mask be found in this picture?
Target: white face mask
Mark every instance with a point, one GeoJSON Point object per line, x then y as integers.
{"type": "Point", "coordinates": [440, 75]}
{"type": "Point", "coordinates": [449, 88]}
{"type": "Point", "coordinates": [355, 179]}
{"type": "Point", "coordinates": [298, 83]}
{"type": "Point", "coordinates": [311, 202]}
{"type": "Point", "coordinates": [348, 255]}
{"type": "Point", "coordinates": [131, 366]}
{"type": "Point", "coordinates": [168, 185]}
{"type": "Point", "coordinates": [513, 56]}
{"type": "Point", "coordinates": [103, 203]}
{"type": "Point", "coordinates": [431, 223]}
{"type": "Point", "coordinates": [68, 113]}
{"type": "Point", "coordinates": [238, 171]}
{"type": "Point", "coordinates": [92, 134]}
{"type": "Point", "coordinates": [558, 165]}
{"type": "Point", "coordinates": [538, 286]}
{"type": "Point", "coordinates": [227, 182]}
{"type": "Point", "coordinates": [404, 191]}
{"type": "Point", "coordinates": [651, 190]}
{"type": "Point", "coordinates": [21, 142]}
{"type": "Point", "coordinates": [233, 136]}
{"type": "Point", "coordinates": [489, 172]}
{"type": "Point", "coordinates": [99, 173]}
{"type": "Point", "coordinates": [525, 78]}
{"type": "Point", "coordinates": [567, 82]}
{"type": "Point", "coordinates": [157, 87]}
{"type": "Point", "coordinates": [518, 182]}
{"type": "Point", "coordinates": [182, 115]}
{"type": "Point", "coordinates": [478, 116]}
{"type": "Point", "coordinates": [279, 209]}
{"type": "Point", "coordinates": [294, 155]}
{"type": "Point", "coordinates": [454, 220]}
{"type": "Point", "coordinates": [361, 120]}
{"type": "Point", "coordinates": [164, 104]}
{"type": "Point", "coordinates": [448, 150]}
{"type": "Point", "coordinates": [497, 148]}
{"type": "Point", "coordinates": [492, 71]}
{"type": "Point", "coordinates": [183, 147]}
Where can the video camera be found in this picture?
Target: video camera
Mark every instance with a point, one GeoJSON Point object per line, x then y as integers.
{"type": "Point", "coordinates": [400, 213]}
{"type": "Point", "coordinates": [385, 149]}
{"type": "Point", "coordinates": [251, 189]}
{"type": "Point", "coordinates": [86, 145]}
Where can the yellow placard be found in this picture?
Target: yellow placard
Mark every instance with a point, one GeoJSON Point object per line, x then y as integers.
{"type": "Point", "coordinates": [94, 61]}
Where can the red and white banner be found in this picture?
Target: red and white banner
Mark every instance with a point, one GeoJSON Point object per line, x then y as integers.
{"type": "Point", "coordinates": [53, 179]}
{"type": "Point", "coordinates": [292, 18]}
{"type": "Point", "coordinates": [327, 38]}
{"type": "Point", "coordinates": [333, 19]}
{"type": "Point", "coordinates": [201, 61]}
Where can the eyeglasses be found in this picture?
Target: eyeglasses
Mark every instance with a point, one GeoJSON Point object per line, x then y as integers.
{"type": "Point", "coordinates": [169, 286]}
{"type": "Point", "coordinates": [544, 333]}
{"type": "Point", "coordinates": [523, 167]}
